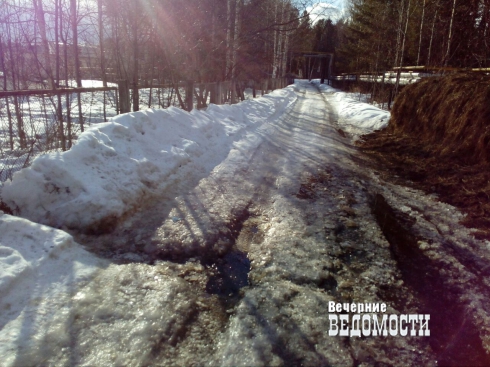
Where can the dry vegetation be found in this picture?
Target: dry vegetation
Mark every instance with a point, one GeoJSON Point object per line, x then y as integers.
{"type": "Point", "coordinates": [438, 138]}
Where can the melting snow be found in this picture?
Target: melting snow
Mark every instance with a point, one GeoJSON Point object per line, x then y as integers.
{"type": "Point", "coordinates": [354, 116]}
{"type": "Point", "coordinates": [136, 156]}
{"type": "Point", "coordinates": [52, 289]}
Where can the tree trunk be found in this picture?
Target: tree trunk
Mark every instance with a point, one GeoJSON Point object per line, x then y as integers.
{"type": "Point", "coordinates": [402, 49]}
{"type": "Point", "coordinates": [76, 56]}
{"type": "Point", "coordinates": [18, 115]}
{"type": "Point", "coordinates": [2, 64]}
{"type": "Point", "coordinates": [136, 106]}
{"type": "Point", "coordinates": [57, 24]}
{"type": "Point", "coordinates": [378, 54]}
{"type": "Point", "coordinates": [59, 107]}
{"type": "Point", "coordinates": [101, 44]}
{"type": "Point", "coordinates": [230, 37]}
{"type": "Point", "coordinates": [38, 8]}
{"type": "Point", "coordinates": [399, 33]}
{"type": "Point", "coordinates": [7, 100]}
{"type": "Point", "coordinates": [275, 43]}
{"type": "Point", "coordinates": [74, 28]}
{"type": "Point", "coordinates": [420, 33]}
{"type": "Point", "coordinates": [432, 37]}
{"type": "Point", "coordinates": [446, 57]}
{"type": "Point", "coordinates": [236, 32]}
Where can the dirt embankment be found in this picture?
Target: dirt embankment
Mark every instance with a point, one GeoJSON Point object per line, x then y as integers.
{"type": "Point", "coordinates": [439, 138]}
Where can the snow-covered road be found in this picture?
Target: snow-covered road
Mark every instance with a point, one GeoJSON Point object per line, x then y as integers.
{"type": "Point", "coordinates": [238, 267]}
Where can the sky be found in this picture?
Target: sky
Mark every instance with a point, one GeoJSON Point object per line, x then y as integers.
{"type": "Point", "coordinates": [333, 9]}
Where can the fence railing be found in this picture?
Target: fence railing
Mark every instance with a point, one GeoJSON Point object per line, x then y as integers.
{"type": "Point", "coordinates": [406, 74]}
{"type": "Point", "coordinates": [188, 95]}
{"type": "Point", "coordinates": [381, 87]}
{"type": "Point", "coordinates": [36, 121]}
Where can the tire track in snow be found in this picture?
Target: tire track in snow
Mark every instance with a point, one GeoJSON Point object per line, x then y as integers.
{"type": "Point", "coordinates": [321, 244]}
{"type": "Point", "coordinates": [294, 196]}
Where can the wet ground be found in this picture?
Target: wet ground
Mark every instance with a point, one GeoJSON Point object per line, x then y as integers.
{"type": "Point", "coordinates": [239, 269]}
{"type": "Point", "coordinates": [406, 161]}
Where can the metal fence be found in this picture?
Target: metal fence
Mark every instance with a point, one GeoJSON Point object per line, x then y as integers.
{"type": "Point", "coordinates": [382, 87]}
{"type": "Point", "coordinates": [34, 122]}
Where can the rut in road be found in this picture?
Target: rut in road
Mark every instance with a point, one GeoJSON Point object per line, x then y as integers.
{"type": "Point", "coordinates": [288, 222]}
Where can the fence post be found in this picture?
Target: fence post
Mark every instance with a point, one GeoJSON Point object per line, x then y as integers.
{"type": "Point", "coordinates": [241, 90]}
{"type": "Point", "coordinates": [68, 117]}
{"type": "Point", "coordinates": [219, 93]}
{"type": "Point", "coordinates": [189, 95]}
{"type": "Point", "coordinates": [233, 91]}
{"type": "Point", "coordinates": [11, 126]}
{"type": "Point", "coordinates": [390, 98]}
{"type": "Point", "coordinates": [123, 91]}
{"type": "Point", "coordinates": [136, 97]}
{"type": "Point", "coordinates": [213, 90]}
{"type": "Point", "coordinates": [323, 61]}
{"type": "Point", "coordinates": [199, 95]}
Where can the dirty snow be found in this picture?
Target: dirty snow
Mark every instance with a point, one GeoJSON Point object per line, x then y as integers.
{"type": "Point", "coordinates": [269, 182]}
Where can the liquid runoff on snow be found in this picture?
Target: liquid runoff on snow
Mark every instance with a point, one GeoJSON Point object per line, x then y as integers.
{"type": "Point", "coordinates": [230, 254]}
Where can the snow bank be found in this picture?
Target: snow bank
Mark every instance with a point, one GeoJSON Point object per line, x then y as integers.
{"type": "Point", "coordinates": [117, 165]}
{"type": "Point", "coordinates": [39, 267]}
{"type": "Point", "coordinates": [28, 248]}
{"type": "Point", "coordinates": [64, 306]}
{"type": "Point", "coordinates": [355, 117]}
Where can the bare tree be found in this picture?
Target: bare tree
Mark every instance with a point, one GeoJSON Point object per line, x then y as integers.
{"type": "Point", "coordinates": [41, 21]}
{"type": "Point", "coordinates": [420, 33]}
{"type": "Point", "coordinates": [449, 37]}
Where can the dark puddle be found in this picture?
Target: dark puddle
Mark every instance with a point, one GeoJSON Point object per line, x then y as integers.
{"type": "Point", "coordinates": [328, 284]}
{"type": "Point", "coordinates": [227, 270]}
{"type": "Point", "coordinates": [230, 275]}
{"type": "Point", "coordinates": [454, 338]}
{"type": "Point", "coordinates": [230, 272]}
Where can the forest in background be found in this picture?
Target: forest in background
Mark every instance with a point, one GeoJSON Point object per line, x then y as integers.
{"type": "Point", "coordinates": [51, 43]}
{"type": "Point", "coordinates": [382, 34]}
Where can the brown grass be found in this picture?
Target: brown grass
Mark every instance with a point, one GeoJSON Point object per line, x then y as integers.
{"type": "Point", "coordinates": [438, 139]}
{"type": "Point", "coordinates": [449, 115]}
